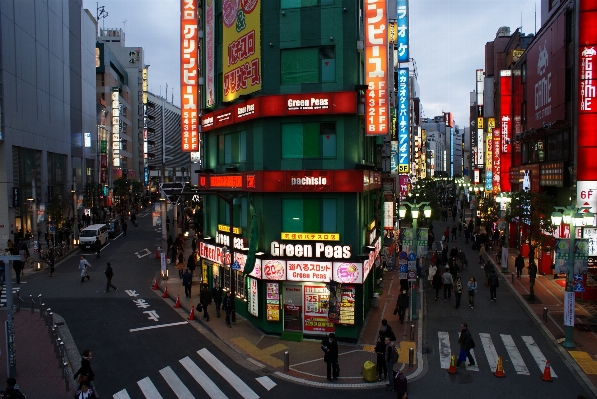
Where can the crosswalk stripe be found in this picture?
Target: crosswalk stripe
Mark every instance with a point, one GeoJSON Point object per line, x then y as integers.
{"type": "Point", "coordinates": [148, 389]}
{"type": "Point", "coordinates": [489, 349]}
{"type": "Point", "coordinates": [181, 391]}
{"type": "Point", "coordinates": [238, 384]}
{"type": "Point", "coordinates": [206, 383]}
{"type": "Point", "coordinates": [121, 395]}
{"type": "Point", "coordinates": [537, 354]}
{"type": "Point", "coordinates": [444, 349]}
{"type": "Point", "coordinates": [514, 354]}
{"type": "Point", "coordinates": [266, 382]}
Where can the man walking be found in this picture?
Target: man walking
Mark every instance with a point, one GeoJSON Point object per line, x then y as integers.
{"type": "Point", "coordinates": [187, 282]}
{"type": "Point", "coordinates": [330, 348]}
{"type": "Point", "coordinates": [401, 305]}
{"type": "Point", "coordinates": [109, 274]}
{"type": "Point", "coordinates": [228, 306]}
{"type": "Point", "coordinates": [83, 265]}
{"type": "Point", "coordinates": [391, 360]}
{"type": "Point", "coordinates": [216, 294]}
{"type": "Point", "coordinates": [494, 283]}
{"type": "Point", "coordinates": [466, 344]}
{"type": "Point", "coordinates": [124, 227]}
{"type": "Point", "coordinates": [448, 281]}
{"type": "Point", "coordinates": [519, 264]}
{"type": "Point", "coordinates": [98, 246]}
{"type": "Point", "coordinates": [205, 300]}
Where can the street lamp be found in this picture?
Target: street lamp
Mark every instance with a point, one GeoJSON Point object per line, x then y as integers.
{"type": "Point", "coordinates": [575, 217]}
{"type": "Point", "coordinates": [414, 210]}
{"type": "Point", "coordinates": [504, 200]}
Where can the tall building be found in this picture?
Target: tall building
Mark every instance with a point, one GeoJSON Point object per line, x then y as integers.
{"type": "Point", "coordinates": [48, 112]}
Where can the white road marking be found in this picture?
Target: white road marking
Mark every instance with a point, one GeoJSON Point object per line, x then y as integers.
{"type": "Point", "coordinates": [180, 390]}
{"type": "Point", "coordinates": [266, 382]}
{"type": "Point", "coordinates": [143, 253]}
{"type": "Point", "coordinates": [206, 383]}
{"type": "Point", "coordinates": [444, 349]}
{"type": "Point", "coordinates": [179, 323]}
{"type": "Point", "coordinates": [490, 353]}
{"type": "Point", "coordinates": [121, 395]}
{"type": "Point", "coordinates": [537, 354]}
{"type": "Point", "coordinates": [238, 384]}
{"type": "Point", "coordinates": [514, 354]}
{"type": "Point", "coordinates": [148, 389]}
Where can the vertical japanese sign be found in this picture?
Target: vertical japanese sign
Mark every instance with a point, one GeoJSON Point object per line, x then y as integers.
{"type": "Point", "coordinates": [451, 152]}
{"type": "Point", "coordinates": [145, 123]}
{"type": "Point", "coordinates": [496, 165]}
{"type": "Point", "coordinates": [188, 75]}
{"type": "Point", "coordinates": [403, 29]}
{"type": "Point", "coordinates": [480, 162]}
{"type": "Point", "coordinates": [210, 31]}
{"type": "Point", "coordinates": [505, 127]}
{"type": "Point", "coordinates": [489, 155]}
{"type": "Point", "coordinates": [403, 121]}
{"type": "Point", "coordinates": [115, 128]}
{"type": "Point", "coordinates": [388, 215]}
{"type": "Point", "coordinates": [253, 297]}
{"type": "Point", "coordinates": [376, 67]}
{"type": "Point", "coordinates": [393, 142]}
{"type": "Point", "coordinates": [241, 47]}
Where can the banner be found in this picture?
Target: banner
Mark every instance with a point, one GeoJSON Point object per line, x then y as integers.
{"type": "Point", "coordinates": [408, 240]}
{"type": "Point", "coordinates": [422, 236]}
{"type": "Point", "coordinates": [253, 297]}
{"type": "Point", "coordinates": [316, 309]}
{"type": "Point", "coordinates": [188, 75]}
{"type": "Point", "coordinates": [241, 48]}
{"type": "Point", "coordinates": [403, 121]}
{"type": "Point", "coordinates": [581, 256]}
{"type": "Point", "coordinates": [569, 308]}
{"type": "Point", "coordinates": [562, 252]}
{"type": "Point", "coordinates": [403, 33]}
{"type": "Point", "coordinates": [210, 32]}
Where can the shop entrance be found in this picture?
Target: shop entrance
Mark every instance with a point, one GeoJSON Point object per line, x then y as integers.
{"type": "Point", "coordinates": [293, 307]}
{"type": "Point", "coordinates": [306, 308]}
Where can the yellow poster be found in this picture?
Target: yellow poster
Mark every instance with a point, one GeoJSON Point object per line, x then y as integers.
{"type": "Point", "coordinates": [241, 21]}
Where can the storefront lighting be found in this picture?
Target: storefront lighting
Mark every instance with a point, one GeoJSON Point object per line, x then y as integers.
{"type": "Point", "coordinates": [259, 253]}
{"type": "Point", "coordinates": [207, 238]}
{"type": "Point", "coordinates": [589, 219]}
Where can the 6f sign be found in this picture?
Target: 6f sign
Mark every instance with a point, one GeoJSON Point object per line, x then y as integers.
{"type": "Point", "coordinates": [586, 195]}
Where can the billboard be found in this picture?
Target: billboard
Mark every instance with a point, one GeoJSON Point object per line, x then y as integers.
{"type": "Point", "coordinates": [210, 32]}
{"type": "Point", "coordinates": [376, 68]}
{"type": "Point", "coordinates": [115, 127]}
{"type": "Point", "coordinates": [505, 128]}
{"type": "Point", "coordinates": [241, 48]}
{"type": "Point", "coordinates": [403, 121]}
{"type": "Point", "coordinates": [489, 161]}
{"type": "Point", "coordinates": [403, 29]}
{"type": "Point", "coordinates": [188, 75]}
{"type": "Point", "coordinates": [496, 164]}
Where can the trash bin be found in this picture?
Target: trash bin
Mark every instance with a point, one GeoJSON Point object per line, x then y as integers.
{"type": "Point", "coordinates": [376, 300]}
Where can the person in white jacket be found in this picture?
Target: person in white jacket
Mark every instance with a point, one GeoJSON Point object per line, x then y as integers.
{"type": "Point", "coordinates": [83, 265]}
{"type": "Point", "coordinates": [432, 271]}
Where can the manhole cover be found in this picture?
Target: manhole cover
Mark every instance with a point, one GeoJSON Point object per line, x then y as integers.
{"type": "Point", "coordinates": [459, 378]}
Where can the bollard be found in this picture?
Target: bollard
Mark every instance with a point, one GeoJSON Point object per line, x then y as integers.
{"type": "Point", "coordinates": [65, 372]}
{"type": "Point", "coordinates": [412, 332]}
{"type": "Point", "coordinates": [41, 310]}
{"type": "Point", "coordinates": [60, 353]}
{"type": "Point", "coordinates": [286, 361]}
{"type": "Point", "coordinates": [545, 319]}
{"type": "Point", "coordinates": [32, 303]}
{"type": "Point", "coordinates": [411, 357]}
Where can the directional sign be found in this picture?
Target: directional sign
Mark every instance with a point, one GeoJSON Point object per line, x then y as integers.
{"type": "Point", "coordinates": [235, 265]}
{"type": "Point", "coordinates": [403, 268]}
{"type": "Point", "coordinates": [412, 275]}
{"type": "Point", "coordinates": [586, 195]}
{"type": "Point", "coordinates": [172, 191]}
{"type": "Point", "coordinates": [412, 256]}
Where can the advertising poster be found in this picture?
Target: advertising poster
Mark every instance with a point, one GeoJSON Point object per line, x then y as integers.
{"type": "Point", "coordinates": [309, 271]}
{"type": "Point", "coordinates": [408, 240]}
{"type": "Point", "coordinates": [577, 284]}
{"type": "Point", "coordinates": [242, 47]}
{"type": "Point", "coordinates": [562, 250]}
{"type": "Point", "coordinates": [348, 272]}
{"type": "Point", "coordinates": [422, 242]}
{"type": "Point", "coordinates": [253, 297]}
{"type": "Point", "coordinates": [241, 259]}
{"type": "Point", "coordinates": [335, 300]}
{"type": "Point", "coordinates": [210, 31]}
{"type": "Point", "coordinates": [403, 121]}
{"type": "Point", "coordinates": [274, 269]}
{"type": "Point", "coordinates": [347, 305]}
{"type": "Point", "coordinates": [272, 298]}
{"type": "Point", "coordinates": [41, 213]}
{"type": "Point", "coordinates": [569, 308]}
{"type": "Point", "coordinates": [316, 309]}
{"type": "Point", "coordinates": [581, 256]}
{"type": "Point", "coordinates": [376, 68]}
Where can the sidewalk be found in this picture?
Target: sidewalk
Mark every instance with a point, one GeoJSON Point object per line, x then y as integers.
{"type": "Point", "coordinates": [549, 295]}
{"type": "Point", "coordinates": [306, 358]}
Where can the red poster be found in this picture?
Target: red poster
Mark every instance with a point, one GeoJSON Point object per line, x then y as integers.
{"type": "Point", "coordinates": [316, 309]}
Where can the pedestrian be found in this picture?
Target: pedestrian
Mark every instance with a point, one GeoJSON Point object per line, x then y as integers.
{"type": "Point", "coordinates": [187, 282]}
{"type": "Point", "coordinates": [173, 253]}
{"type": "Point", "coordinates": [124, 227]}
{"type": "Point", "coordinates": [519, 264]}
{"type": "Point", "coordinates": [459, 229]}
{"type": "Point", "coordinates": [401, 305]}
{"type": "Point", "coordinates": [437, 284]}
{"type": "Point", "coordinates": [466, 344]}
{"type": "Point", "coordinates": [191, 262]}
{"type": "Point", "coordinates": [488, 269]}
{"type": "Point", "coordinates": [83, 265]}
{"type": "Point", "coordinates": [109, 274]}
{"type": "Point", "coordinates": [471, 286]}
{"type": "Point", "coordinates": [447, 234]}
{"type": "Point", "coordinates": [205, 300]}
{"type": "Point", "coordinates": [216, 295]}
{"type": "Point", "coordinates": [17, 264]}
{"type": "Point", "coordinates": [170, 241]}
{"type": "Point", "coordinates": [445, 255]}
{"type": "Point", "coordinates": [98, 247]}
{"type": "Point", "coordinates": [467, 235]}
{"type": "Point", "coordinates": [430, 240]}
{"type": "Point", "coordinates": [462, 259]}
{"type": "Point", "coordinates": [167, 223]}
{"type": "Point", "coordinates": [330, 348]}
{"type": "Point", "coordinates": [454, 230]}
{"type": "Point", "coordinates": [228, 306]}
{"type": "Point", "coordinates": [391, 360]}
{"type": "Point", "coordinates": [448, 281]}
{"type": "Point", "coordinates": [12, 390]}
{"type": "Point", "coordinates": [532, 272]}
{"type": "Point", "coordinates": [380, 351]}
{"type": "Point", "coordinates": [134, 219]}
{"type": "Point", "coordinates": [180, 265]}
{"type": "Point", "coordinates": [481, 252]}
{"type": "Point", "coordinates": [50, 261]}
{"type": "Point", "coordinates": [432, 272]}
{"type": "Point", "coordinates": [85, 392]}
{"type": "Point", "coordinates": [494, 283]}
{"type": "Point", "coordinates": [386, 331]}
{"type": "Point", "coordinates": [85, 373]}
{"type": "Point", "coordinates": [458, 291]}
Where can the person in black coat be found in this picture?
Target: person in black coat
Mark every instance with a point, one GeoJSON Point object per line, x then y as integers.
{"type": "Point", "coordinates": [205, 300]}
{"type": "Point", "coordinates": [401, 305]}
{"type": "Point", "coordinates": [437, 283]}
{"type": "Point", "coordinates": [216, 295]}
{"type": "Point", "coordinates": [98, 247]}
{"type": "Point", "coordinates": [380, 351]}
{"type": "Point", "coordinates": [330, 348]}
{"type": "Point", "coordinates": [228, 306]}
{"type": "Point", "coordinates": [85, 372]}
{"type": "Point", "coordinates": [466, 344]}
{"type": "Point", "coordinates": [191, 264]}
{"type": "Point", "coordinates": [519, 264]}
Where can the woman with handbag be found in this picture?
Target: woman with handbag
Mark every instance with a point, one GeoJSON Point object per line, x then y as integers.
{"type": "Point", "coordinates": [85, 373]}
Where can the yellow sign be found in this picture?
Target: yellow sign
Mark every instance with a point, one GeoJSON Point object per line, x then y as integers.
{"type": "Point", "coordinates": [490, 125]}
{"type": "Point", "coordinates": [480, 122]}
{"type": "Point", "coordinates": [392, 27]}
{"type": "Point", "coordinates": [226, 229]}
{"type": "Point", "coordinates": [241, 47]}
{"type": "Point", "coordinates": [311, 236]}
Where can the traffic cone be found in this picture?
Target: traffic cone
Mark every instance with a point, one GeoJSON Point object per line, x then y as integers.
{"type": "Point", "coordinates": [547, 372]}
{"type": "Point", "coordinates": [166, 293]}
{"type": "Point", "coordinates": [157, 253]}
{"type": "Point", "coordinates": [499, 369]}
{"type": "Point", "coordinates": [155, 284]}
{"type": "Point", "coordinates": [452, 369]}
{"type": "Point", "coordinates": [192, 315]}
{"type": "Point", "coordinates": [177, 304]}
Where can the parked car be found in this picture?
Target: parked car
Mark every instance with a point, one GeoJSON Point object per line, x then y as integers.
{"type": "Point", "coordinates": [114, 228]}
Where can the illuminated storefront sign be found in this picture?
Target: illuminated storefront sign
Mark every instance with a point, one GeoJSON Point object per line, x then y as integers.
{"type": "Point", "coordinates": [310, 236]}
{"type": "Point", "coordinates": [496, 164]}
{"type": "Point", "coordinates": [115, 128]}
{"type": "Point", "coordinates": [241, 47]}
{"type": "Point", "coordinates": [145, 127]}
{"type": "Point", "coordinates": [489, 161]}
{"type": "Point", "coordinates": [403, 121]}
{"type": "Point", "coordinates": [231, 181]}
{"type": "Point", "coordinates": [320, 272]}
{"type": "Point", "coordinates": [403, 31]}
{"type": "Point", "coordinates": [210, 31]}
{"type": "Point", "coordinates": [505, 128]}
{"type": "Point", "coordinates": [318, 250]}
{"type": "Point", "coordinates": [376, 68]}
{"type": "Point", "coordinates": [226, 229]}
{"type": "Point", "coordinates": [348, 272]}
{"type": "Point", "coordinates": [188, 75]}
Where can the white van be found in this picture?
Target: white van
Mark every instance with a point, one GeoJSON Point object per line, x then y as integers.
{"type": "Point", "coordinates": [91, 233]}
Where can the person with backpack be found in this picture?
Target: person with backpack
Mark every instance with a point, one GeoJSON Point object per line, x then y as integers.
{"type": "Point", "coordinates": [391, 359]}
{"type": "Point", "coordinates": [494, 283]}
{"type": "Point", "coordinates": [466, 344]}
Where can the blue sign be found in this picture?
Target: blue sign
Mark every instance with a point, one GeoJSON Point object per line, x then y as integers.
{"type": "Point", "coordinates": [235, 265]}
{"type": "Point", "coordinates": [394, 157]}
{"type": "Point", "coordinates": [403, 268]}
{"type": "Point", "coordinates": [402, 30]}
{"type": "Point", "coordinates": [412, 256]}
{"type": "Point", "coordinates": [403, 121]}
{"type": "Point", "coordinates": [578, 287]}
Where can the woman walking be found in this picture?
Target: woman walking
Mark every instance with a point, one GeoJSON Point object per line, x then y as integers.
{"type": "Point", "coordinates": [180, 265]}
{"type": "Point", "coordinates": [432, 272]}
{"type": "Point", "coordinates": [458, 291]}
{"type": "Point", "coordinates": [85, 373]}
{"type": "Point", "coordinates": [472, 290]}
{"type": "Point", "coordinates": [437, 284]}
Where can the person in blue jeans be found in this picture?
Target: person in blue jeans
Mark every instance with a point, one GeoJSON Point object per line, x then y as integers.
{"type": "Point", "coordinates": [228, 306]}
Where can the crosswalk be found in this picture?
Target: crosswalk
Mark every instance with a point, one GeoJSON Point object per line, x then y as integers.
{"type": "Point", "coordinates": [205, 385]}
{"type": "Point", "coordinates": [3, 295]}
{"type": "Point", "coordinates": [506, 344]}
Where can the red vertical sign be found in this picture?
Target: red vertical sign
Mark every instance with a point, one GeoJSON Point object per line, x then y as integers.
{"type": "Point", "coordinates": [376, 67]}
{"type": "Point", "coordinates": [505, 129]}
{"type": "Point", "coordinates": [188, 75]}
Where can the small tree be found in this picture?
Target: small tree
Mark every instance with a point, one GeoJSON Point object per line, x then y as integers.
{"type": "Point", "coordinates": [56, 209]}
{"type": "Point", "coordinates": [92, 192]}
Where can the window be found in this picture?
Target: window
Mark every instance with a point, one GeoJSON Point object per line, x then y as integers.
{"type": "Point", "coordinates": [523, 72]}
{"type": "Point", "coordinates": [308, 140]}
{"type": "Point", "coordinates": [309, 215]}
{"type": "Point", "coordinates": [232, 148]}
{"type": "Point", "coordinates": [241, 211]}
{"type": "Point", "coordinates": [308, 65]}
{"type": "Point", "coordinates": [304, 3]}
